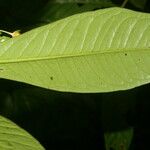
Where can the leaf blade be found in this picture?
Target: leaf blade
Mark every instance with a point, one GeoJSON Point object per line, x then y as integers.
{"type": "Point", "coordinates": [80, 53]}
{"type": "Point", "coordinates": [13, 137]}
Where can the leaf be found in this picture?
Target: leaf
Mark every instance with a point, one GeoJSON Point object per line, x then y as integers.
{"type": "Point", "coordinates": [118, 140]}
{"type": "Point", "coordinates": [13, 137]}
{"type": "Point", "coordinates": [3, 39]}
{"type": "Point", "coordinates": [101, 51]}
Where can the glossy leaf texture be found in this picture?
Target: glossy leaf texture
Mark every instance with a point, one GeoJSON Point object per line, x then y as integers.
{"type": "Point", "coordinates": [97, 51]}
{"type": "Point", "coordinates": [13, 137]}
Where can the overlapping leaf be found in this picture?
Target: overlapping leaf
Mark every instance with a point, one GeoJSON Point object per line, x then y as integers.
{"type": "Point", "coordinates": [13, 137]}
{"type": "Point", "coordinates": [100, 51]}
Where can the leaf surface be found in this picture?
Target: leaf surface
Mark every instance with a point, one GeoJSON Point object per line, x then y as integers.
{"type": "Point", "coordinates": [99, 51]}
{"type": "Point", "coordinates": [13, 137]}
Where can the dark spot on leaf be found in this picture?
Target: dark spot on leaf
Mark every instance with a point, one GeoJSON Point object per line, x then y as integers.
{"type": "Point", "coordinates": [111, 148]}
{"type": "Point", "coordinates": [51, 78]}
{"type": "Point", "coordinates": [80, 4]}
{"type": "Point", "coordinates": [1, 69]}
{"type": "Point", "coordinates": [125, 54]}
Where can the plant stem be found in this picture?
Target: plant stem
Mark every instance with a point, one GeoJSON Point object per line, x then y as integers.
{"type": "Point", "coordinates": [124, 3]}
{"type": "Point", "coordinates": [3, 31]}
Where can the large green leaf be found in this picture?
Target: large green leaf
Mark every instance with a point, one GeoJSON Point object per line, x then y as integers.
{"type": "Point", "coordinates": [13, 137]}
{"type": "Point", "coordinates": [100, 51]}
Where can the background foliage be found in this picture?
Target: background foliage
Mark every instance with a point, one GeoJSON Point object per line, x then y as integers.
{"type": "Point", "coordinates": [67, 120]}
